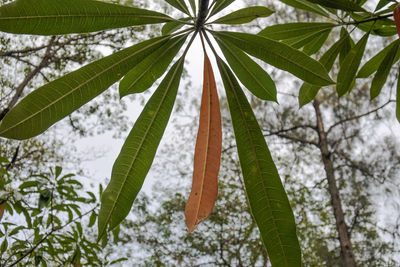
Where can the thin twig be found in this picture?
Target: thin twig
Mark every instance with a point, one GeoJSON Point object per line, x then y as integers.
{"type": "Point", "coordinates": [359, 116]}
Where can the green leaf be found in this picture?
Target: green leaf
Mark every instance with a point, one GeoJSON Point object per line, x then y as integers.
{"type": "Point", "coordinates": [55, 100]}
{"type": "Point", "coordinates": [180, 5]}
{"type": "Point", "coordinates": [372, 65]}
{"type": "Point", "coordinates": [138, 151]}
{"type": "Point", "coordinates": [308, 91]}
{"type": "Point", "coordinates": [115, 232]}
{"type": "Point", "coordinates": [279, 55]}
{"type": "Point", "coordinates": [92, 219]}
{"type": "Point", "coordinates": [58, 171]}
{"type": "Point", "coordinates": [346, 5]}
{"type": "Point", "coordinates": [291, 30]}
{"type": "Point", "coordinates": [50, 17]}
{"type": "Point", "coordinates": [245, 15]}
{"type": "Point", "coordinates": [249, 72]}
{"type": "Point", "coordinates": [4, 246]}
{"type": "Point", "coordinates": [220, 5]}
{"type": "Point", "coordinates": [305, 5]}
{"type": "Point", "coordinates": [44, 199]}
{"type": "Point", "coordinates": [398, 98]}
{"type": "Point", "coordinates": [173, 26]}
{"type": "Point", "coordinates": [350, 66]}
{"type": "Point", "coordinates": [301, 41]}
{"type": "Point", "coordinates": [193, 6]}
{"type": "Point", "coordinates": [382, 3]}
{"type": "Point", "coordinates": [349, 44]}
{"type": "Point", "coordinates": [315, 45]}
{"type": "Point", "coordinates": [268, 201]}
{"type": "Point", "coordinates": [28, 184]}
{"type": "Point", "coordinates": [144, 74]}
{"type": "Point", "coordinates": [383, 71]}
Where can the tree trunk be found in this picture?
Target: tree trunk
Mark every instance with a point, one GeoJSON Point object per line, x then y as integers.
{"type": "Point", "coordinates": [344, 238]}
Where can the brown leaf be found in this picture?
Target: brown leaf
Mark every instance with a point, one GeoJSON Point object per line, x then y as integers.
{"type": "Point", "coordinates": [396, 15]}
{"type": "Point", "coordinates": [207, 154]}
{"type": "Point", "coordinates": [2, 208]}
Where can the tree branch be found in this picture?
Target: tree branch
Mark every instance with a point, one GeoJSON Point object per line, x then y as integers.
{"type": "Point", "coordinates": [44, 63]}
{"type": "Point", "coordinates": [22, 51]}
{"type": "Point", "coordinates": [358, 116]}
{"type": "Point", "coordinates": [368, 20]}
{"type": "Point", "coordinates": [296, 139]}
{"type": "Point", "coordinates": [201, 17]}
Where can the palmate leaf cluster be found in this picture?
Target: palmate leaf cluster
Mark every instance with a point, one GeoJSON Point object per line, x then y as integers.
{"type": "Point", "coordinates": [288, 47]}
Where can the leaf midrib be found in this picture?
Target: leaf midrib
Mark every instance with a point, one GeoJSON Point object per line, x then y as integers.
{"type": "Point", "coordinates": [258, 165]}
{"type": "Point", "coordinates": [208, 142]}
{"type": "Point", "coordinates": [82, 15]}
{"type": "Point", "coordinates": [279, 55]}
{"type": "Point", "coordinates": [81, 85]}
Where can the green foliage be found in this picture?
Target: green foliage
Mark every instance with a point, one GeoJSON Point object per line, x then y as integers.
{"type": "Point", "coordinates": [143, 63]}
{"type": "Point", "coordinates": [138, 151]}
{"type": "Point", "coordinates": [34, 114]}
{"type": "Point", "coordinates": [52, 232]}
{"type": "Point", "coordinates": [255, 78]}
{"type": "Point", "coordinates": [244, 15]}
{"type": "Point", "coordinates": [49, 17]}
{"type": "Point", "coordinates": [268, 201]}
{"type": "Point", "coordinates": [351, 62]}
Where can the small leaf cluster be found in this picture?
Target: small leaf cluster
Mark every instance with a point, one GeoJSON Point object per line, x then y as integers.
{"type": "Point", "coordinates": [51, 208]}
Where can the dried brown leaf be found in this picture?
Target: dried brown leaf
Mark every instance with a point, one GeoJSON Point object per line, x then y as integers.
{"type": "Point", "coordinates": [207, 153]}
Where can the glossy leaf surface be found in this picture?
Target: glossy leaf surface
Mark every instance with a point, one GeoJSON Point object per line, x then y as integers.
{"type": "Point", "coordinates": [245, 15]}
{"type": "Point", "coordinates": [279, 55]}
{"type": "Point", "coordinates": [254, 77]}
{"type": "Point", "coordinates": [145, 73]}
{"type": "Point", "coordinates": [57, 99]}
{"type": "Point", "coordinates": [137, 153]}
{"type": "Point", "coordinates": [207, 155]}
{"type": "Point", "coordinates": [267, 198]}
{"type": "Point", "coordinates": [51, 17]}
{"type": "Point", "coordinates": [383, 71]}
{"type": "Point", "coordinates": [350, 66]}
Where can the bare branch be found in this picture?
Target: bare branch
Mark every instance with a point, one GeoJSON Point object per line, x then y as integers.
{"type": "Point", "coordinates": [359, 116]}
{"type": "Point", "coordinates": [44, 63]}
